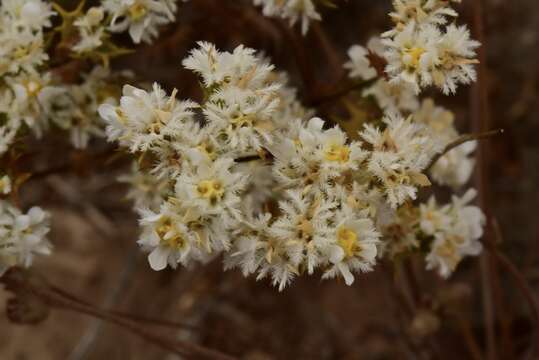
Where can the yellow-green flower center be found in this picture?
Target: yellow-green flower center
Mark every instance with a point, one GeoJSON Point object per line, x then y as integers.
{"type": "Point", "coordinates": [176, 241]}
{"type": "Point", "coordinates": [337, 153]}
{"type": "Point", "coordinates": [211, 189]}
{"type": "Point", "coordinates": [413, 55]}
{"type": "Point", "coordinates": [137, 11]}
{"type": "Point", "coordinates": [348, 241]}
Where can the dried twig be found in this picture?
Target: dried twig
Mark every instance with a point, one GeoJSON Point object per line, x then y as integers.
{"type": "Point", "coordinates": [30, 288]}
{"type": "Point", "coordinates": [461, 140]}
{"type": "Point", "coordinates": [481, 123]}
{"type": "Point", "coordinates": [520, 280]}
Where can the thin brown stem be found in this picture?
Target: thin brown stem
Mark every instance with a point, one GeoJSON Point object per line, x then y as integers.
{"type": "Point", "coordinates": [481, 123]}
{"type": "Point", "coordinates": [334, 94]}
{"type": "Point", "coordinates": [469, 339]}
{"type": "Point", "coordinates": [23, 283]}
{"type": "Point", "coordinates": [461, 140]}
{"type": "Point", "coordinates": [520, 279]}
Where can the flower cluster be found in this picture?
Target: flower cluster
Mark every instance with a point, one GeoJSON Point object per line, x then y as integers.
{"type": "Point", "coordinates": [247, 175]}
{"type": "Point", "coordinates": [423, 49]}
{"type": "Point", "coordinates": [140, 17]}
{"type": "Point", "coordinates": [453, 168]}
{"type": "Point", "coordinates": [87, 32]}
{"type": "Point", "coordinates": [446, 234]}
{"type": "Point", "coordinates": [22, 236]}
{"type": "Point", "coordinates": [24, 92]}
{"type": "Point", "coordinates": [456, 166]}
{"type": "Point", "coordinates": [35, 97]}
{"type": "Point", "coordinates": [293, 10]}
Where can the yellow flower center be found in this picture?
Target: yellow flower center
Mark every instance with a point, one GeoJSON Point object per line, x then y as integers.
{"type": "Point", "coordinates": [137, 11]}
{"type": "Point", "coordinates": [211, 189]}
{"type": "Point", "coordinates": [305, 230]}
{"type": "Point", "coordinates": [21, 52]}
{"type": "Point", "coordinates": [32, 88]}
{"type": "Point", "coordinates": [176, 241]}
{"type": "Point", "coordinates": [338, 153]}
{"type": "Point", "coordinates": [238, 119]}
{"type": "Point", "coordinates": [448, 252]}
{"type": "Point", "coordinates": [207, 149]}
{"type": "Point", "coordinates": [122, 118]}
{"type": "Point", "coordinates": [347, 240]}
{"type": "Point", "coordinates": [413, 56]}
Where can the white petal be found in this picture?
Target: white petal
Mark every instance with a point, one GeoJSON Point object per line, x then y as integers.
{"type": "Point", "coordinates": [347, 275]}
{"type": "Point", "coordinates": [158, 258]}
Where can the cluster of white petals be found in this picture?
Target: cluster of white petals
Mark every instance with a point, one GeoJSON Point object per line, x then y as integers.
{"type": "Point", "coordinates": [304, 11]}
{"type": "Point", "coordinates": [446, 234]}
{"type": "Point", "coordinates": [22, 236]}
{"type": "Point", "coordinates": [246, 175]}
{"type": "Point", "coordinates": [24, 93]}
{"type": "Point", "coordinates": [455, 167]}
{"type": "Point", "coordinates": [393, 96]}
{"type": "Point", "coordinates": [425, 48]}
{"type": "Point", "coordinates": [454, 229]}
{"type": "Point", "coordinates": [141, 18]}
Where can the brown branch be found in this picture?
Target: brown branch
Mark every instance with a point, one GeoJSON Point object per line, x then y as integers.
{"type": "Point", "coordinates": [481, 123]}
{"type": "Point", "coordinates": [520, 280]}
{"type": "Point", "coordinates": [27, 286]}
{"type": "Point", "coordinates": [469, 339]}
{"type": "Point", "coordinates": [336, 93]}
{"type": "Point", "coordinates": [461, 140]}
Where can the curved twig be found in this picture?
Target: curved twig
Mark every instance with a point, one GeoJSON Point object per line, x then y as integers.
{"type": "Point", "coordinates": [461, 140]}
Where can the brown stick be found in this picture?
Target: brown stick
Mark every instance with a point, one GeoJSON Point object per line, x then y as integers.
{"type": "Point", "coordinates": [481, 120]}
{"type": "Point", "coordinates": [461, 140]}
{"type": "Point", "coordinates": [520, 280]}
{"type": "Point", "coordinates": [22, 283]}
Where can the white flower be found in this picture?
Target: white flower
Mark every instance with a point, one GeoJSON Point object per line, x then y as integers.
{"type": "Point", "coordinates": [141, 17]}
{"type": "Point", "coordinates": [33, 99]}
{"type": "Point", "coordinates": [359, 65]}
{"type": "Point", "coordinates": [460, 238]}
{"type": "Point", "coordinates": [22, 236]}
{"type": "Point", "coordinates": [256, 249]}
{"type": "Point", "coordinates": [430, 12]}
{"type": "Point", "coordinates": [168, 239]}
{"type": "Point", "coordinates": [456, 59]}
{"type": "Point", "coordinates": [354, 246]}
{"type": "Point", "coordinates": [211, 187]}
{"type": "Point", "coordinates": [412, 54]}
{"type": "Point", "coordinates": [313, 155]}
{"type": "Point", "coordinates": [20, 50]}
{"type": "Point", "coordinates": [455, 167]}
{"type": "Point", "coordinates": [244, 116]}
{"type": "Point", "coordinates": [422, 50]}
{"type": "Point", "coordinates": [145, 120]}
{"type": "Point", "coordinates": [400, 154]}
{"type": "Point", "coordinates": [91, 30]}
{"type": "Point", "coordinates": [76, 110]}
{"type": "Point", "coordinates": [240, 68]}
{"type": "Point", "coordinates": [304, 226]}
{"type": "Point", "coordinates": [433, 218]}
{"type": "Point", "coordinates": [31, 14]}
{"type": "Point", "coordinates": [293, 10]}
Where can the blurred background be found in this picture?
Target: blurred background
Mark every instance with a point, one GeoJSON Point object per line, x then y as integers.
{"type": "Point", "coordinates": [94, 230]}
